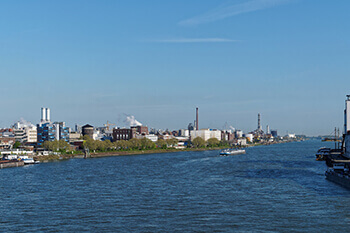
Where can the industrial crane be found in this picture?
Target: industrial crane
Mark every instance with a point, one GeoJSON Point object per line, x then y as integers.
{"type": "Point", "coordinates": [108, 125]}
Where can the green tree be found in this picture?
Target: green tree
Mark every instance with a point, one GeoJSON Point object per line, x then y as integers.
{"type": "Point", "coordinates": [172, 142]}
{"type": "Point", "coordinates": [123, 145]}
{"type": "Point", "coordinates": [90, 143]}
{"type": "Point", "coordinates": [135, 144]}
{"type": "Point", "coordinates": [16, 145]}
{"type": "Point", "coordinates": [100, 145]}
{"type": "Point", "coordinates": [108, 144]}
{"type": "Point", "coordinates": [213, 142]}
{"type": "Point", "coordinates": [147, 144]}
{"type": "Point", "coordinates": [224, 143]}
{"type": "Point", "coordinates": [198, 142]}
{"type": "Point", "coordinates": [64, 146]}
{"type": "Point", "coordinates": [161, 144]}
{"type": "Point", "coordinates": [56, 145]}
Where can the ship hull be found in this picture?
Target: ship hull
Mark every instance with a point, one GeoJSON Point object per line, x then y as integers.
{"type": "Point", "coordinates": [339, 179]}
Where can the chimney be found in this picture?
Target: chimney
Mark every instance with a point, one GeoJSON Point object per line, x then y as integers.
{"type": "Point", "coordinates": [43, 114]}
{"type": "Point", "coordinates": [197, 128]}
{"type": "Point", "coordinates": [48, 114]}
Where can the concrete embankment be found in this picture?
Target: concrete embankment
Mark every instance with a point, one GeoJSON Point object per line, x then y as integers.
{"type": "Point", "coordinates": [11, 164]}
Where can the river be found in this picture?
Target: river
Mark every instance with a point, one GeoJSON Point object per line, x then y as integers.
{"type": "Point", "coordinates": [276, 188]}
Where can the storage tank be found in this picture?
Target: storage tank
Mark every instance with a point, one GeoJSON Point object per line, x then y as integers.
{"type": "Point", "coordinates": [88, 130]}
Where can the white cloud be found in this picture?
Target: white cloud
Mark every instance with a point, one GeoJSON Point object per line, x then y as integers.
{"type": "Point", "coordinates": [226, 11]}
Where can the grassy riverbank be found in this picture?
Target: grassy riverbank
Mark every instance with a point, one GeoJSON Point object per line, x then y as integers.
{"type": "Point", "coordinates": [98, 154]}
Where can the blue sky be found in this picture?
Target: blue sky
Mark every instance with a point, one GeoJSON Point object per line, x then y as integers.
{"type": "Point", "coordinates": [93, 61]}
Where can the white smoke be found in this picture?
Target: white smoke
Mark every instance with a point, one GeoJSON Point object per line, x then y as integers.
{"type": "Point", "coordinates": [131, 121]}
{"type": "Point", "coordinates": [233, 129]}
{"type": "Point", "coordinates": [22, 123]}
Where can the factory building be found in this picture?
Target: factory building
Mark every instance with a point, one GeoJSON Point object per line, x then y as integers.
{"type": "Point", "coordinates": [184, 133]}
{"type": "Point", "coordinates": [142, 130]}
{"type": "Point", "coordinates": [239, 133]}
{"type": "Point", "coordinates": [26, 135]}
{"type": "Point", "coordinates": [123, 134]}
{"type": "Point", "coordinates": [127, 134]}
{"type": "Point", "coordinates": [206, 134]}
{"type": "Point", "coordinates": [227, 136]}
{"type": "Point", "coordinates": [25, 132]}
{"type": "Point", "coordinates": [274, 133]}
{"type": "Point", "coordinates": [52, 132]}
{"type": "Point", "coordinates": [47, 131]}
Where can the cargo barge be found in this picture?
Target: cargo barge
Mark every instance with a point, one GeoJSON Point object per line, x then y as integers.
{"type": "Point", "coordinates": [338, 178]}
{"type": "Point", "coordinates": [338, 162]}
{"type": "Point", "coordinates": [10, 163]}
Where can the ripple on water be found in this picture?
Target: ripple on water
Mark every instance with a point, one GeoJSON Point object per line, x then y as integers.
{"type": "Point", "coordinates": [271, 188]}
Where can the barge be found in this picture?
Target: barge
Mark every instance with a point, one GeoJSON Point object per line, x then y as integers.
{"type": "Point", "coordinates": [10, 163]}
{"type": "Point", "coordinates": [227, 152]}
{"type": "Point", "coordinates": [338, 162]}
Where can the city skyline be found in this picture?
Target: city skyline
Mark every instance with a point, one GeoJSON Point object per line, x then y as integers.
{"type": "Point", "coordinates": [91, 61]}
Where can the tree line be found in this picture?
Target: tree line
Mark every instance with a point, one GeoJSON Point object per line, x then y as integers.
{"type": "Point", "coordinates": [132, 144]}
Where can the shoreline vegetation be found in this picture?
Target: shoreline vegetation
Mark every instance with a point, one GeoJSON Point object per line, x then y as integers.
{"type": "Point", "coordinates": [132, 147]}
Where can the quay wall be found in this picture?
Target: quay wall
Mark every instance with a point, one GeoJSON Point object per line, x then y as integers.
{"type": "Point", "coordinates": [11, 164]}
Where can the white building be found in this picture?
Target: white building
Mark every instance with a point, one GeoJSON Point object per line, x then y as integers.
{"type": "Point", "coordinates": [25, 131]}
{"type": "Point", "coordinates": [152, 137]}
{"type": "Point", "coordinates": [184, 133]}
{"type": "Point", "coordinates": [74, 136]}
{"type": "Point", "coordinates": [206, 134]}
{"type": "Point", "coordinates": [239, 133]}
{"type": "Point", "coordinates": [241, 141]}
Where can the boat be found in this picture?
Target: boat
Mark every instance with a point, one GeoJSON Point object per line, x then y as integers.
{"type": "Point", "coordinates": [338, 160]}
{"type": "Point", "coordinates": [28, 160]}
{"type": "Point", "coordinates": [227, 152]}
{"type": "Point", "coordinates": [339, 175]}
{"type": "Point", "coordinates": [322, 153]}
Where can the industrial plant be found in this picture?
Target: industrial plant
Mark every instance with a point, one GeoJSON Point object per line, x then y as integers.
{"type": "Point", "coordinates": [26, 138]}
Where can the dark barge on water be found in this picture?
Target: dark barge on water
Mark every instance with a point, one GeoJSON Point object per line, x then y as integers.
{"type": "Point", "coordinates": [338, 159]}
{"type": "Point", "coordinates": [11, 163]}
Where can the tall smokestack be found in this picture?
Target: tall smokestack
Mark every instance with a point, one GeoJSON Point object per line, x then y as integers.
{"type": "Point", "coordinates": [43, 114]}
{"type": "Point", "coordinates": [197, 128]}
{"type": "Point", "coordinates": [47, 114]}
{"type": "Point", "coordinates": [259, 126]}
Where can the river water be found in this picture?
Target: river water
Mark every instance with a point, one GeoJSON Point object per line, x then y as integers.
{"type": "Point", "coordinates": [277, 188]}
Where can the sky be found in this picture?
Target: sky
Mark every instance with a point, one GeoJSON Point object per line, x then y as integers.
{"type": "Point", "coordinates": [93, 61]}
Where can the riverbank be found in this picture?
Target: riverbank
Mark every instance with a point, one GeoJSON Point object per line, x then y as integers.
{"type": "Point", "coordinates": [52, 158]}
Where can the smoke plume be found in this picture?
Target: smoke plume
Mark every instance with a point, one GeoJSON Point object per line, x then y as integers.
{"type": "Point", "coordinates": [131, 121]}
{"type": "Point", "coordinates": [22, 123]}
